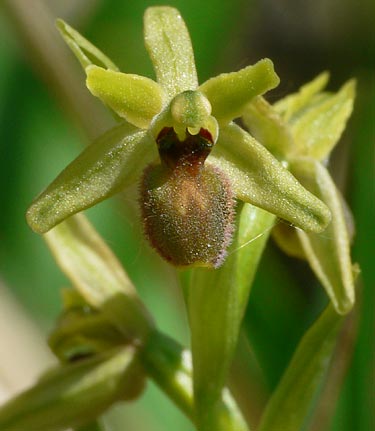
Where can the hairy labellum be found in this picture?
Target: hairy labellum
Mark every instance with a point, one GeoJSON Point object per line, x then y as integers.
{"type": "Point", "coordinates": [187, 205]}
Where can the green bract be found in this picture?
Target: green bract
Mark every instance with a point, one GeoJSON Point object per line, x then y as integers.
{"type": "Point", "coordinates": [74, 394]}
{"type": "Point", "coordinates": [306, 126]}
{"type": "Point", "coordinates": [190, 126]}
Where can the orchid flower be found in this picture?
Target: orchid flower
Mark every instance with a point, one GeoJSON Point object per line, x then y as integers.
{"type": "Point", "coordinates": [177, 139]}
{"type": "Point", "coordinates": [307, 125]}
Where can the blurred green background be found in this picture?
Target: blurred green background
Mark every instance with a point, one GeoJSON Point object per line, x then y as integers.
{"type": "Point", "coordinates": [46, 116]}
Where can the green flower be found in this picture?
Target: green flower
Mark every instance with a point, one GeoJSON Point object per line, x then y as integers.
{"type": "Point", "coordinates": [301, 130]}
{"type": "Point", "coordinates": [177, 139]}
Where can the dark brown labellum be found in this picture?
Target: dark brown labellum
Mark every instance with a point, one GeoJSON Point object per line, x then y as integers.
{"type": "Point", "coordinates": [187, 205]}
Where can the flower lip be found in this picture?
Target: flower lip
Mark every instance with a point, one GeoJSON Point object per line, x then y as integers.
{"type": "Point", "coordinates": [187, 213]}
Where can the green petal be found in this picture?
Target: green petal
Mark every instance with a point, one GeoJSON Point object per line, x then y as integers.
{"type": "Point", "coordinates": [267, 127]}
{"type": "Point", "coordinates": [168, 44]}
{"type": "Point", "coordinates": [319, 127]}
{"type": "Point", "coordinates": [112, 162]}
{"type": "Point", "coordinates": [329, 252]}
{"type": "Point", "coordinates": [293, 399]}
{"type": "Point", "coordinates": [135, 98]}
{"type": "Point", "coordinates": [292, 104]}
{"type": "Point", "coordinates": [228, 93]}
{"type": "Point", "coordinates": [258, 178]}
{"type": "Point", "coordinates": [75, 394]}
{"type": "Point", "coordinates": [84, 50]}
{"type": "Point", "coordinates": [98, 276]}
{"type": "Point", "coordinates": [216, 304]}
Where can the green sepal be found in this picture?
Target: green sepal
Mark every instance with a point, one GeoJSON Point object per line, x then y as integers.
{"type": "Point", "coordinates": [114, 161]}
{"type": "Point", "coordinates": [168, 43]}
{"type": "Point", "coordinates": [170, 366]}
{"type": "Point", "coordinates": [294, 396]}
{"type": "Point", "coordinates": [216, 302]}
{"type": "Point", "coordinates": [268, 128]}
{"type": "Point", "coordinates": [317, 129]}
{"type": "Point", "coordinates": [98, 276]}
{"type": "Point", "coordinates": [258, 178]}
{"type": "Point", "coordinates": [84, 50]}
{"type": "Point", "coordinates": [75, 394]}
{"type": "Point", "coordinates": [294, 103]}
{"type": "Point", "coordinates": [133, 97]}
{"type": "Point", "coordinates": [228, 93]}
{"type": "Point", "coordinates": [328, 253]}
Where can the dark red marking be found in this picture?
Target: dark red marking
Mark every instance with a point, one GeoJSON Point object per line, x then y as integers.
{"type": "Point", "coordinates": [189, 153]}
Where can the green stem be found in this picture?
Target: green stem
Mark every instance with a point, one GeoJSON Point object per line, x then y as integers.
{"type": "Point", "coordinates": [169, 365]}
{"type": "Point", "coordinates": [216, 304]}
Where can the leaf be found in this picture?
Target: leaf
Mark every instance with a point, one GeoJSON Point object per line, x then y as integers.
{"type": "Point", "coordinates": [75, 394]}
{"type": "Point", "coordinates": [84, 50]}
{"type": "Point", "coordinates": [133, 97]}
{"type": "Point", "coordinates": [258, 178]}
{"type": "Point", "coordinates": [114, 161]}
{"type": "Point", "coordinates": [328, 253]}
{"type": "Point", "coordinates": [170, 366]}
{"type": "Point", "coordinates": [293, 398]}
{"type": "Point", "coordinates": [228, 93]}
{"type": "Point", "coordinates": [98, 276]}
{"type": "Point", "coordinates": [319, 127]}
{"type": "Point", "coordinates": [268, 128]}
{"type": "Point", "coordinates": [292, 104]}
{"type": "Point", "coordinates": [168, 44]}
{"type": "Point", "coordinates": [216, 302]}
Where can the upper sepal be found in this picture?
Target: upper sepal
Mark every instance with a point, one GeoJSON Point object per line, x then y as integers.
{"type": "Point", "coordinates": [168, 43]}
{"type": "Point", "coordinates": [258, 178]}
